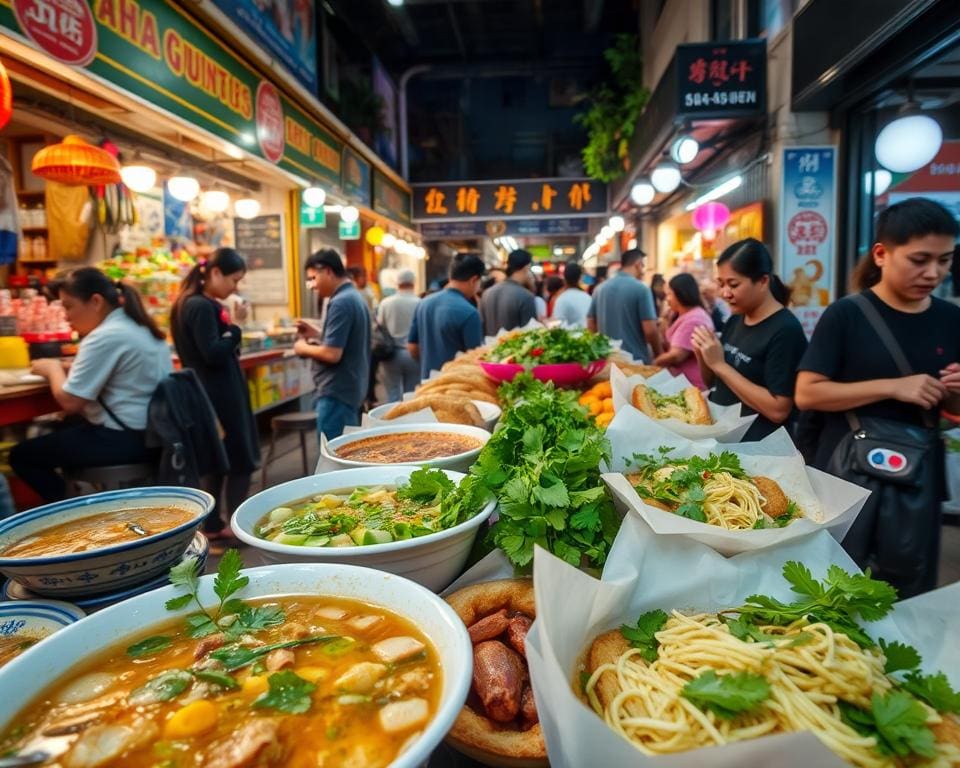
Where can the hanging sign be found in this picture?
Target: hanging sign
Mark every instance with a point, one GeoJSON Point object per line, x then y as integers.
{"type": "Point", "coordinates": [389, 199]}
{"type": "Point", "coordinates": [527, 199]}
{"type": "Point", "coordinates": [808, 215]}
{"type": "Point", "coordinates": [260, 241]}
{"type": "Point", "coordinates": [356, 177]}
{"type": "Point", "coordinates": [350, 231]}
{"type": "Point", "coordinates": [718, 80]}
{"type": "Point", "coordinates": [312, 218]}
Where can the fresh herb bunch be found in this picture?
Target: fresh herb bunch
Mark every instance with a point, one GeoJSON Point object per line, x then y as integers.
{"type": "Point", "coordinates": [683, 487]}
{"type": "Point", "coordinates": [545, 346]}
{"type": "Point", "coordinates": [895, 719]}
{"type": "Point", "coordinates": [543, 465]}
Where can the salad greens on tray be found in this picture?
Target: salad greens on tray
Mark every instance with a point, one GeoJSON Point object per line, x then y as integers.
{"type": "Point", "coordinates": [549, 346]}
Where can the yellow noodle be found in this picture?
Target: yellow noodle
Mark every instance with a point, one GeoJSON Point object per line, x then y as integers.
{"type": "Point", "coordinates": [806, 682]}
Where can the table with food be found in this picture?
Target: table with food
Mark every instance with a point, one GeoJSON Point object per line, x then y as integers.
{"type": "Point", "coordinates": [547, 554]}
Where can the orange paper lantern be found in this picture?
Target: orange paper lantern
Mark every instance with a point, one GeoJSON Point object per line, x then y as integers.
{"type": "Point", "coordinates": [77, 163]}
{"type": "Point", "coordinates": [6, 97]}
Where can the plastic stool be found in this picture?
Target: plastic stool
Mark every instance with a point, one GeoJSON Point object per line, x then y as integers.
{"type": "Point", "coordinates": [109, 478]}
{"type": "Point", "coordinates": [302, 422]}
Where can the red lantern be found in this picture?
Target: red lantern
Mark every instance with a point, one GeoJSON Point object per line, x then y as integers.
{"type": "Point", "coordinates": [710, 217]}
{"type": "Point", "coordinates": [77, 163]}
{"type": "Point", "coordinates": [6, 97]}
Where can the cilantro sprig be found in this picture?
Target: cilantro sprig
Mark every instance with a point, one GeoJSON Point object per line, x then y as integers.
{"type": "Point", "coordinates": [542, 464]}
{"type": "Point", "coordinates": [643, 635]}
{"type": "Point", "coordinates": [896, 720]}
{"type": "Point", "coordinates": [727, 695]}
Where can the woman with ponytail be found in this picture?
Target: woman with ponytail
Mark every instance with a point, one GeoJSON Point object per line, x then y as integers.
{"type": "Point", "coordinates": [122, 358]}
{"type": "Point", "coordinates": [209, 343]}
{"type": "Point", "coordinates": [756, 363]}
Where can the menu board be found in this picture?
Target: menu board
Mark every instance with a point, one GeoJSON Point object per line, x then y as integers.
{"type": "Point", "coordinates": [260, 241]}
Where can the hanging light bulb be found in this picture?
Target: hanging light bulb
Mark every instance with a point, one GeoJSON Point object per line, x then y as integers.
{"type": "Point", "coordinates": [665, 177]}
{"type": "Point", "coordinates": [138, 178]}
{"type": "Point", "coordinates": [908, 143]}
{"type": "Point", "coordinates": [617, 223]}
{"type": "Point", "coordinates": [349, 214]}
{"type": "Point", "coordinates": [878, 182]}
{"type": "Point", "coordinates": [183, 188]}
{"type": "Point", "coordinates": [215, 201]}
{"type": "Point", "coordinates": [606, 231]}
{"type": "Point", "coordinates": [642, 192]}
{"type": "Point", "coordinates": [685, 150]}
{"type": "Point", "coordinates": [246, 208]}
{"type": "Point", "coordinates": [388, 241]}
{"type": "Point", "coordinates": [314, 197]}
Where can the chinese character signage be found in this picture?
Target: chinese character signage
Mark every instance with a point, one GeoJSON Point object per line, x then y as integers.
{"type": "Point", "coordinates": [443, 230]}
{"type": "Point", "coordinates": [808, 229]}
{"type": "Point", "coordinates": [154, 50]}
{"type": "Point", "coordinates": [525, 199]}
{"type": "Point", "coordinates": [719, 80]}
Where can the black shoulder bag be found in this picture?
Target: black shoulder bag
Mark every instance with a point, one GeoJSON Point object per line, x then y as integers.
{"type": "Point", "coordinates": [897, 534]}
{"type": "Point", "coordinates": [383, 346]}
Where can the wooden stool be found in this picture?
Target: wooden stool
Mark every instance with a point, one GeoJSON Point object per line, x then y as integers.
{"type": "Point", "coordinates": [113, 477]}
{"type": "Point", "coordinates": [302, 422]}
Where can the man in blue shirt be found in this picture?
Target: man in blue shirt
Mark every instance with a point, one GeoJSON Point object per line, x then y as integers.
{"type": "Point", "coordinates": [447, 322]}
{"type": "Point", "coordinates": [622, 308]}
{"type": "Point", "coordinates": [341, 351]}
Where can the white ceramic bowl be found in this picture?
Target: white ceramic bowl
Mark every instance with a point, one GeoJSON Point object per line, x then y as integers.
{"type": "Point", "coordinates": [489, 412]}
{"type": "Point", "coordinates": [36, 620]}
{"type": "Point", "coordinates": [434, 560]}
{"type": "Point", "coordinates": [55, 658]}
{"type": "Point", "coordinates": [460, 462]}
{"type": "Point", "coordinates": [108, 569]}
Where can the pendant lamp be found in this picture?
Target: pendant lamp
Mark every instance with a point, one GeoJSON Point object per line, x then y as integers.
{"type": "Point", "coordinates": [247, 208]}
{"type": "Point", "coordinates": [76, 163]}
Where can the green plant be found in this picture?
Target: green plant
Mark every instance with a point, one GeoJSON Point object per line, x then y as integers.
{"type": "Point", "coordinates": [612, 114]}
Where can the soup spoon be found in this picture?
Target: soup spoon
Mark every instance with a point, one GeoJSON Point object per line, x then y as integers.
{"type": "Point", "coordinates": [19, 761]}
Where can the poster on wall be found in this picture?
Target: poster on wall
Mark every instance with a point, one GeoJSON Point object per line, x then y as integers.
{"type": "Point", "coordinates": [385, 142]}
{"type": "Point", "coordinates": [284, 28]}
{"type": "Point", "coordinates": [177, 219]}
{"type": "Point", "coordinates": [260, 242]}
{"type": "Point", "coordinates": [808, 215]}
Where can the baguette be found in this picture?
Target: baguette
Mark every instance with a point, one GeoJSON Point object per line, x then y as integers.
{"type": "Point", "coordinates": [694, 410]}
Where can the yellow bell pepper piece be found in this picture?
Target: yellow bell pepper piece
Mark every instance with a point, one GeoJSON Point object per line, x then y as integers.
{"type": "Point", "coordinates": [195, 718]}
{"type": "Point", "coordinates": [254, 685]}
{"type": "Point", "coordinates": [312, 674]}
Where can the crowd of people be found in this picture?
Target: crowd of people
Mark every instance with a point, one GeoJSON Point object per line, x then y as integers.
{"type": "Point", "coordinates": [883, 361]}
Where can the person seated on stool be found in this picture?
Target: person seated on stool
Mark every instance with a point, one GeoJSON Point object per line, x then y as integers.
{"type": "Point", "coordinates": [122, 358]}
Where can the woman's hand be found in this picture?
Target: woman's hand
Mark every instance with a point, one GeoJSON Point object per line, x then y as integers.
{"type": "Point", "coordinates": [950, 378]}
{"type": "Point", "coordinates": [707, 347]}
{"type": "Point", "coordinates": [919, 389]}
{"type": "Point", "coordinates": [46, 367]}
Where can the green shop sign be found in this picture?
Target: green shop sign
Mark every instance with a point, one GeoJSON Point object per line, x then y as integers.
{"type": "Point", "coordinates": [154, 50]}
{"type": "Point", "coordinates": [389, 199]}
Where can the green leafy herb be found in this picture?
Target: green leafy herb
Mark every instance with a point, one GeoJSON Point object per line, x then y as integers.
{"type": "Point", "coordinates": [896, 720]}
{"type": "Point", "coordinates": [288, 693]}
{"type": "Point", "coordinates": [166, 686]}
{"type": "Point", "coordinates": [235, 657]}
{"type": "Point", "coordinates": [338, 646]}
{"type": "Point", "coordinates": [933, 689]}
{"type": "Point", "coordinates": [643, 635]}
{"type": "Point", "coordinates": [149, 646]}
{"type": "Point", "coordinates": [899, 656]}
{"type": "Point", "coordinates": [542, 464]}
{"type": "Point", "coordinates": [546, 346]}
{"type": "Point", "coordinates": [727, 695]}
{"type": "Point", "coordinates": [201, 625]}
{"type": "Point", "coordinates": [228, 579]}
{"type": "Point", "coordinates": [221, 679]}
{"type": "Point", "coordinates": [426, 486]}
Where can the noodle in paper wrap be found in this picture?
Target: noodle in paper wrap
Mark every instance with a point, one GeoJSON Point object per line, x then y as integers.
{"type": "Point", "coordinates": [646, 572]}
{"type": "Point", "coordinates": [728, 425]}
{"type": "Point", "coordinates": [825, 501]}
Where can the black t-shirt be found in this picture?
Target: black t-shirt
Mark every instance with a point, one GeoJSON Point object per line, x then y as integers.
{"type": "Point", "coordinates": [767, 354]}
{"type": "Point", "coordinates": [846, 349]}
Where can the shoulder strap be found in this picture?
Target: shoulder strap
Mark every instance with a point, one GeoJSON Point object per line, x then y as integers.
{"type": "Point", "coordinates": [112, 415]}
{"type": "Point", "coordinates": [883, 331]}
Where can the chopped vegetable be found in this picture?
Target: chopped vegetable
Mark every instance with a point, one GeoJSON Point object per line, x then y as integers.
{"type": "Point", "coordinates": [237, 656]}
{"type": "Point", "coordinates": [896, 720]}
{"type": "Point", "coordinates": [543, 346]}
{"type": "Point", "coordinates": [149, 646]}
{"type": "Point", "coordinates": [166, 686]}
{"type": "Point", "coordinates": [191, 720]}
{"type": "Point", "coordinates": [287, 692]}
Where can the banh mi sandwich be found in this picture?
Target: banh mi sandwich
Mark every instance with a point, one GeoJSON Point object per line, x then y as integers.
{"type": "Point", "coordinates": [679, 681]}
{"type": "Point", "coordinates": [688, 406]}
{"type": "Point", "coordinates": [713, 489]}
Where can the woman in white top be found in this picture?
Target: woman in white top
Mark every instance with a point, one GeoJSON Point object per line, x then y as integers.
{"type": "Point", "coordinates": [122, 358]}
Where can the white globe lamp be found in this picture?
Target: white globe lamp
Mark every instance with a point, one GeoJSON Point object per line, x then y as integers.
{"type": "Point", "coordinates": [908, 143]}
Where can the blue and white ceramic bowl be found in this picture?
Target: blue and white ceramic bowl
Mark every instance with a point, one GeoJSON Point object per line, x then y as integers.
{"type": "Point", "coordinates": [26, 622]}
{"type": "Point", "coordinates": [199, 548]}
{"type": "Point", "coordinates": [108, 569]}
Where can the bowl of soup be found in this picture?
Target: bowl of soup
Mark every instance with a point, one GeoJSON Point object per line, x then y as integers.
{"type": "Point", "coordinates": [345, 666]}
{"type": "Point", "coordinates": [104, 542]}
{"type": "Point", "coordinates": [24, 623]}
{"type": "Point", "coordinates": [445, 446]}
{"type": "Point", "coordinates": [354, 516]}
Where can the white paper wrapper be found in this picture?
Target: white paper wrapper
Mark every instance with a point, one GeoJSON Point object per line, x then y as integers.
{"type": "Point", "coordinates": [728, 425]}
{"type": "Point", "coordinates": [827, 502]}
{"type": "Point", "coordinates": [641, 575]}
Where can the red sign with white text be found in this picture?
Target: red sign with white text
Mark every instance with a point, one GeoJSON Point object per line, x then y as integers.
{"type": "Point", "coordinates": [270, 128]}
{"type": "Point", "coordinates": [62, 28]}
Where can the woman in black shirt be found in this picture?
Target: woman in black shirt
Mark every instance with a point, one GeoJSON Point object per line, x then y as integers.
{"type": "Point", "coordinates": [847, 368]}
{"type": "Point", "coordinates": [208, 343]}
{"type": "Point", "coordinates": [762, 342]}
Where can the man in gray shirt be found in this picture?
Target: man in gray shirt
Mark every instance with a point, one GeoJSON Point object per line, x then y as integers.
{"type": "Point", "coordinates": [622, 308]}
{"type": "Point", "coordinates": [401, 373]}
{"type": "Point", "coordinates": [341, 351]}
{"type": "Point", "coordinates": [509, 304]}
